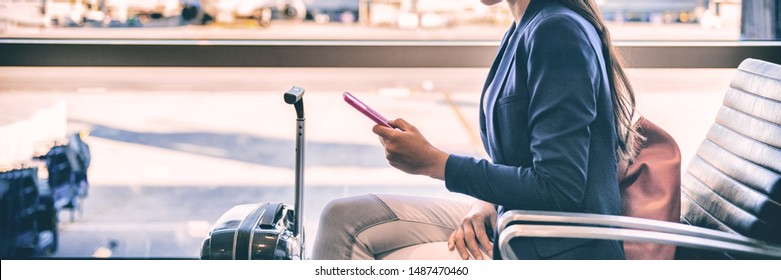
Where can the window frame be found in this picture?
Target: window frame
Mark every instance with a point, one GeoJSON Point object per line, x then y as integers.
{"type": "Point", "coordinates": [303, 53]}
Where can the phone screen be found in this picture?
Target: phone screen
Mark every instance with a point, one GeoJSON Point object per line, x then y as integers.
{"type": "Point", "coordinates": [366, 110]}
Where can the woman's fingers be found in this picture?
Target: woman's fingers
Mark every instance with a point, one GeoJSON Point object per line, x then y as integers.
{"type": "Point", "coordinates": [482, 238]}
{"type": "Point", "coordinates": [471, 242]}
{"type": "Point", "coordinates": [460, 245]}
{"type": "Point", "coordinates": [403, 125]}
{"type": "Point", "coordinates": [451, 241]}
{"type": "Point", "coordinates": [382, 131]}
{"type": "Point", "coordinates": [471, 235]}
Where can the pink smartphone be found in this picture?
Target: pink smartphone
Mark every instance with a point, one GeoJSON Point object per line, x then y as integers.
{"type": "Point", "coordinates": [366, 110]}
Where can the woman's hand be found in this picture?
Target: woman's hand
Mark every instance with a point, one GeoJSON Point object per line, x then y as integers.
{"type": "Point", "coordinates": [471, 236]}
{"type": "Point", "coordinates": [407, 150]}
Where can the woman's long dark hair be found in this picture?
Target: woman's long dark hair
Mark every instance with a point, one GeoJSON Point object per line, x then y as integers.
{"type": "Point", "coordinates": [622, 94]}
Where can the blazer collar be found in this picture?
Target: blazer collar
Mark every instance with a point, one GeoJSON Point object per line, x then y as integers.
{"type": "Point", "coordinates": [512, 39]}
{"type": "Point", "coordinates": [535, 6]}
{"type": "Point", "coordinates": [498, 76]}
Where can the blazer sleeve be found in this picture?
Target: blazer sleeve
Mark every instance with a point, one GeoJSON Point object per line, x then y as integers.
{"type": "Point", "coordinates": [563, 80]}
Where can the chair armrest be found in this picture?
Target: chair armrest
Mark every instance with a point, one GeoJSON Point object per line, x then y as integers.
{"type": "Point", "coordinates": [517, 223]}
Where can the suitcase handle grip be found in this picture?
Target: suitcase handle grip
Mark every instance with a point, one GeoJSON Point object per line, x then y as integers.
{"type": "Point", "coordinates": [269, 217]}
{"type": "Point", "coordinates": [295, 97]}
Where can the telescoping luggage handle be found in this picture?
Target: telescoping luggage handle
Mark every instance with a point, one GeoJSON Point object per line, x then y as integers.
{"type": "Point", "coordinates": [295, 97]}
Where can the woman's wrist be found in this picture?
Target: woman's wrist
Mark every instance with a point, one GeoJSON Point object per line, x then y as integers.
{"type": "Point", "coordinates": [436, 168]}
{"type": "Point", "coordinates": [483, 204]}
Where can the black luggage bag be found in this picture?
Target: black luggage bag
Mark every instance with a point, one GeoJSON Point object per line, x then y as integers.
{"type": "Point", "coordinates": [264, 231]}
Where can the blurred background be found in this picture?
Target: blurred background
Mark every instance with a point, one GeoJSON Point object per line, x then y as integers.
{"type": "Point", "coordinates": [344, 19]}
{"type": "Point", "coordinates": [172, 148]}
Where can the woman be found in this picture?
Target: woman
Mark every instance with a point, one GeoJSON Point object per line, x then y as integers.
{"type": "Point", "coordinates": [555, 119]}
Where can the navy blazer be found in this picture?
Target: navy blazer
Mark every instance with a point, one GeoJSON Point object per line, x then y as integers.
{"type": "Point", "coordinates": [546, 120]}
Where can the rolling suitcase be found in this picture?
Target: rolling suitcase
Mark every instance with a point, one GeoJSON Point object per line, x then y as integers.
{"type": "Point", "coordinates": [264, 231]}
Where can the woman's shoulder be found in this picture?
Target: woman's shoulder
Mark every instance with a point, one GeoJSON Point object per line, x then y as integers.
{"type": "Point", "coordinates": [558, 29]}
{"type": "Point", "coordinates": [557, 16]}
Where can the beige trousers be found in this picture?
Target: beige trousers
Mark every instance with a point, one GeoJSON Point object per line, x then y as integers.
{"type": "Point", "coordinates": [370, 226]}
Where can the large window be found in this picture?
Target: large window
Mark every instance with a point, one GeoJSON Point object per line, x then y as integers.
{"type": "Point", "coordinates": [669, 20]}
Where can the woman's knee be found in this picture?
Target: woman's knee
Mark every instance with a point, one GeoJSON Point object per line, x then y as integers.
{"type": "Point", "coordinates": [350, 210]}
{"type": "Point", "coordinates": [336, 209]}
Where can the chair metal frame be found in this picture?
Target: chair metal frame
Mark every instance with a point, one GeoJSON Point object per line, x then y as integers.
{"type": "Point", "coordinates": [523, 223]}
